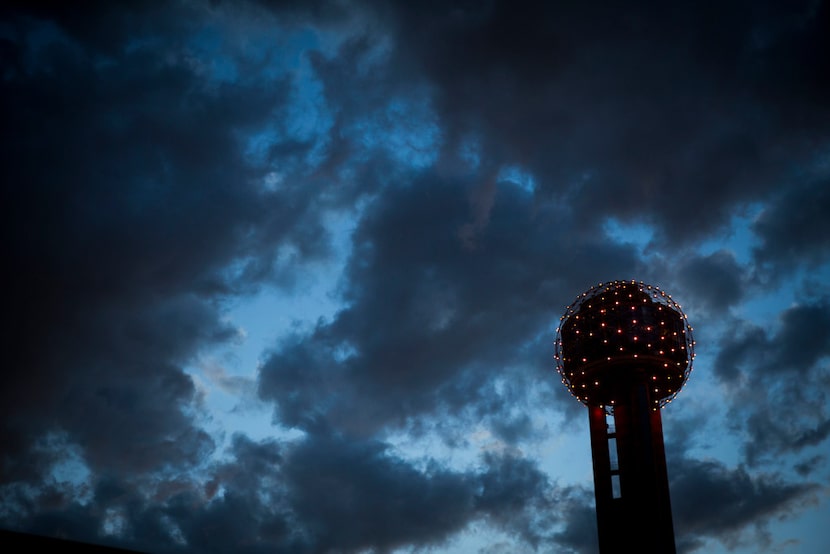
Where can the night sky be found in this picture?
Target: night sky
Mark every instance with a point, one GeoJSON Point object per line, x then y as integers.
{"type": "Point", "coordinates": [286, 276]}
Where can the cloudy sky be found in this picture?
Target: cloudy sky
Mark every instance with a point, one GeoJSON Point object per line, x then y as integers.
{"type": "Point", "coordinates": [285, 276]}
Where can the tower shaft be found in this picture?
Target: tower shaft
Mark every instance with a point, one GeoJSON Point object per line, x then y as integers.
{"type": "Point", "coordinates": [630, 477]}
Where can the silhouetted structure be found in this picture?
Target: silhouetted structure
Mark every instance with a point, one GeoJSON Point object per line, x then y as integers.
{"type": "Point", "coordinates": [624, 349]}
{"type": "Point", "coordinates": [16, 541]}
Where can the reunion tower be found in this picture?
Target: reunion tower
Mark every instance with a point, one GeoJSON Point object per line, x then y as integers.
{"type": "Point", "coordinates": [624, 349]}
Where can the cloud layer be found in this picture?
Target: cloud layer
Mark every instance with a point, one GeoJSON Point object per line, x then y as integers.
{"type": "Point", "coordinates": [468, 168]}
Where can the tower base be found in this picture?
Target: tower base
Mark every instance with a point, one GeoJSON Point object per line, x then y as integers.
{"type": "Point", "coordinates": [630, 477]}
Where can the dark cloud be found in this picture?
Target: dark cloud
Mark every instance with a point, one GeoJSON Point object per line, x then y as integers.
{"type": "Point", "coordinates": [424, 327]}
{"type": "Point", "coordinates": [713, 501]}
{"type": "Point", "coordinates": [129, 197]}
{"type": "Point", "coordinates": [808, 466]}
{"type": "Point", "coordinates": [324, 494]}
{"type": "Point", "coordinates": [743, 346]}
{"type": "Point", "coordinates": [638, 113]}
{"type": "Point", "coordinates": [580, 531]}
{"type": "Point", "coordinates": [715, 281]}
{"type": "Point", "coordinates": [352, 495]}
{"type": "Point", "coordinates": [798, 345]}
{"type": "Point", "coordinates": [99, 27]}
{"type": "Point", "coordinates": [777, 380]}
{"type": "Point", "coordinates": [794, 230]}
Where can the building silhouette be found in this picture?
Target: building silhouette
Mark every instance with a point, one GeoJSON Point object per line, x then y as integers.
{"type": "Point", "coordinates": [18, 541]}
{"type": "Point", "coordinates": [625, 349]}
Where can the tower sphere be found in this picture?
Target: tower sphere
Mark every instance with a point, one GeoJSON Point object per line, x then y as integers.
{"type": "Point", "coordinates": [621, 333]}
